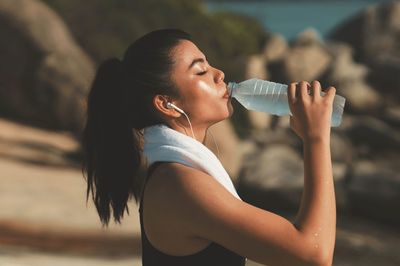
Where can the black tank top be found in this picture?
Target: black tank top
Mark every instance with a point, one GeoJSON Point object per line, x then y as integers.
{"type": "Point", "coordinates": [213, 255]}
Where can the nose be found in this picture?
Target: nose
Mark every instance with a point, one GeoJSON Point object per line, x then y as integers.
{"type": "Point", "coordinates": [220, 75]}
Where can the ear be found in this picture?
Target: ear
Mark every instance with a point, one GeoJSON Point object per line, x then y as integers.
{"type": "Point", "coordinates": [160, 103]}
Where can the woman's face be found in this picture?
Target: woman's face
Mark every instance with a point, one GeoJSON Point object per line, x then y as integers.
{"type": "Point", "coordinates": [201, 86]}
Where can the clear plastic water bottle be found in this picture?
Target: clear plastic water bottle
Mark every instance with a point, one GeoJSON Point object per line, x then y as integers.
{"type": "Point", "coordinates": [267, 96]}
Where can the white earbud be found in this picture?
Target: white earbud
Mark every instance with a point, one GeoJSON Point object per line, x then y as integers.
{"type": "Point", "coordinates": [171, 105]}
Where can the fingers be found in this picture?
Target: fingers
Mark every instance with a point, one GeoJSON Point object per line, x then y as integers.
{"type": "Point", "coordinates": [292, 91]}
{"type": "Point", "coordinates": [316, 87]}
{"type": "Point", "coordinates": [303, 89]}
{"type": "Point", "coordinates": [291, 94]}
{"type": "Point", "coordinates": [331, 92]}
{"type": "Point", "coordinates": [298, 90]}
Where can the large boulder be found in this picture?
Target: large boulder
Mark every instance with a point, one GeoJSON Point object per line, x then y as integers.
{"type": "Point", "coordinates": [341, 148]}
{"type": "Point", "coordinates": [348, 77]}
{"type": "Point", "coordinates": [273, 178]}
{"type": "Point", "coordinates": [280, 135]}
{"type": "Point", "coordinates": [374, 189]}
{"type": "Point", "coordinates": [371, 135]}
{"type": "Point", "coordinates": [275, 48]}
{"type": "Point", "coordinates": [307, 59]}
{"type": "Point", "coordinates": [256, 67]}
{"type": "Point", "coordinates": [44, 74]}
{"type": "Point", "coordinates": [391, 116]}
{"type": "Point", "coordinates": [374, 34]}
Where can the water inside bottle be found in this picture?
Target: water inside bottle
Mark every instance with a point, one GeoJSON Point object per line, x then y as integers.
{"type": "Point", "coordinates": [262, 102]}
{"type": "Point", "coordinates": [271, 98]}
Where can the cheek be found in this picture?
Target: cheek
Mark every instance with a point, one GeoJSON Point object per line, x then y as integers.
{"type": "Point", "coordinates": [205, 87]}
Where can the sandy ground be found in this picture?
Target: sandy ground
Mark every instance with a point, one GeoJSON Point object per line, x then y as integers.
{"type": "Point", "coordinates": [19, 257]}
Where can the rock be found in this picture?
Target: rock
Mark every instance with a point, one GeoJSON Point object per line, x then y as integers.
{"type": "Point", "coordinates": [343, 64]}
{"type": "Point", "coordinates": [360, 241]}
{"type": "Point", "coordinates": [44, 74]}
{"type": "Point", "coordinates": [256, 68]}
{"type": "Point", "coordinates": [391, 116]}
{"type": "Point", "coordinates": [341, 148]}
{"type": "Point", "coordinates": [373, 133]}
{"type": "Point", "coordinates": [275, 48]}
{"type": "Point", "coordinates": [280, 135]}
{"type": "Point", "coordinates": [374, 35]}
{"type": "Point", "coordinates": [309, 36]}
{"type": "Point", "coordinates": [247, 146]}
{"type": "Point", "coordinates": [306, 60]}
{"type": "Point", "coordinates": [259, 120]}
{"type": "Point", "coordinates": [283, 121]}
{"type": "Point", "coordinates": [348, 78]}
{"type": "Point", "coordinates": [272, 177]}
{"type": "Point", "coordinates": [374, 190]}
{"type": "Point", "coordinates": [360, 97]}
{"type": "Point", "coordinates": [384, 75]}
{"type": "Point", "coordinates": [340, 172]}
{"type": "Point", "coordinates": [375, 29]}
{"type": "Point", "coordinates": [305, 64]}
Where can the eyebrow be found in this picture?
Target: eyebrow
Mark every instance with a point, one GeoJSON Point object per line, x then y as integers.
{"type": "Point", "coordinates": [195, 61]}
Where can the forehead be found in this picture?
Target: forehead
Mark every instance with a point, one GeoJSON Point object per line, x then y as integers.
{"type": "Point", "coordinates": [185, 52]}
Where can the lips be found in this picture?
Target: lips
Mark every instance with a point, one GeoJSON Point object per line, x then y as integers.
{"type": "Point", "coordinates": [226, 95]}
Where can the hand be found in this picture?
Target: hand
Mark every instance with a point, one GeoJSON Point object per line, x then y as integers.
{"type": "Point", "coordinates": [311, 113]}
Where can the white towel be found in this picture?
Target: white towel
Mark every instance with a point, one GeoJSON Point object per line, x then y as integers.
{"type": "Point", "coordinates": [162, 143]}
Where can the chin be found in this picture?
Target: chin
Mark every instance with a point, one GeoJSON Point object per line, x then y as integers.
{"type": "Point", "coordinates": [226, 116]}
{"type": "Point", "coordinates": [227, 112]}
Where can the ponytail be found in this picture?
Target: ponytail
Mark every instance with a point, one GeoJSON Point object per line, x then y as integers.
{"type": "Point", "coordinates": [112, 150]}
{"type": "Point", "coordinates": [119, 106]}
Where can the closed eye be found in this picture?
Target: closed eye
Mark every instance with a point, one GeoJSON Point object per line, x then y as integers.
{"type": "Point", "coordinates": [202, 73]}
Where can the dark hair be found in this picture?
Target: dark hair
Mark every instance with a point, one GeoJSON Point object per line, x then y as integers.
{"type": "Point", "coordinates": [119, 106]}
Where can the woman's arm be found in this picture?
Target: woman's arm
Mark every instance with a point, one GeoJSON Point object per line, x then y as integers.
{"type": "Point", "coordinates": [198, 206]}
{"type": "Point", "coordinates": [317, 215]}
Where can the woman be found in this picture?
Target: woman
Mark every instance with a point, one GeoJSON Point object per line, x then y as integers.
{"type": "Point", "coordinates": [189, 218]}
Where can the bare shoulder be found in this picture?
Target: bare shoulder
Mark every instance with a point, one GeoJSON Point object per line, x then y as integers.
{"type": "Point", "coordinates": [168, 184]}
{"type": "Point", "coordinates": [185, 187]}
{"type": "Point", "coordinates": [179, 190]}
{"type": "Point", "coordinates": [203, 208]}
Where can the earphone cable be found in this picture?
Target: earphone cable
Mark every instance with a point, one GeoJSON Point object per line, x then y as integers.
{"type": "Point", "coordinates": [190, 124]}
{"type": "Point", "coordinates": [191, 128]}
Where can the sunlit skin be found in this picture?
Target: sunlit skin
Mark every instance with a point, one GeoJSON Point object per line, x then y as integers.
{"type": "Point", "coordinates": [201, 87]}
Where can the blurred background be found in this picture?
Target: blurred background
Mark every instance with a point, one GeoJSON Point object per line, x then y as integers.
{"type": "Point", "coordinates": [49, 52]}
